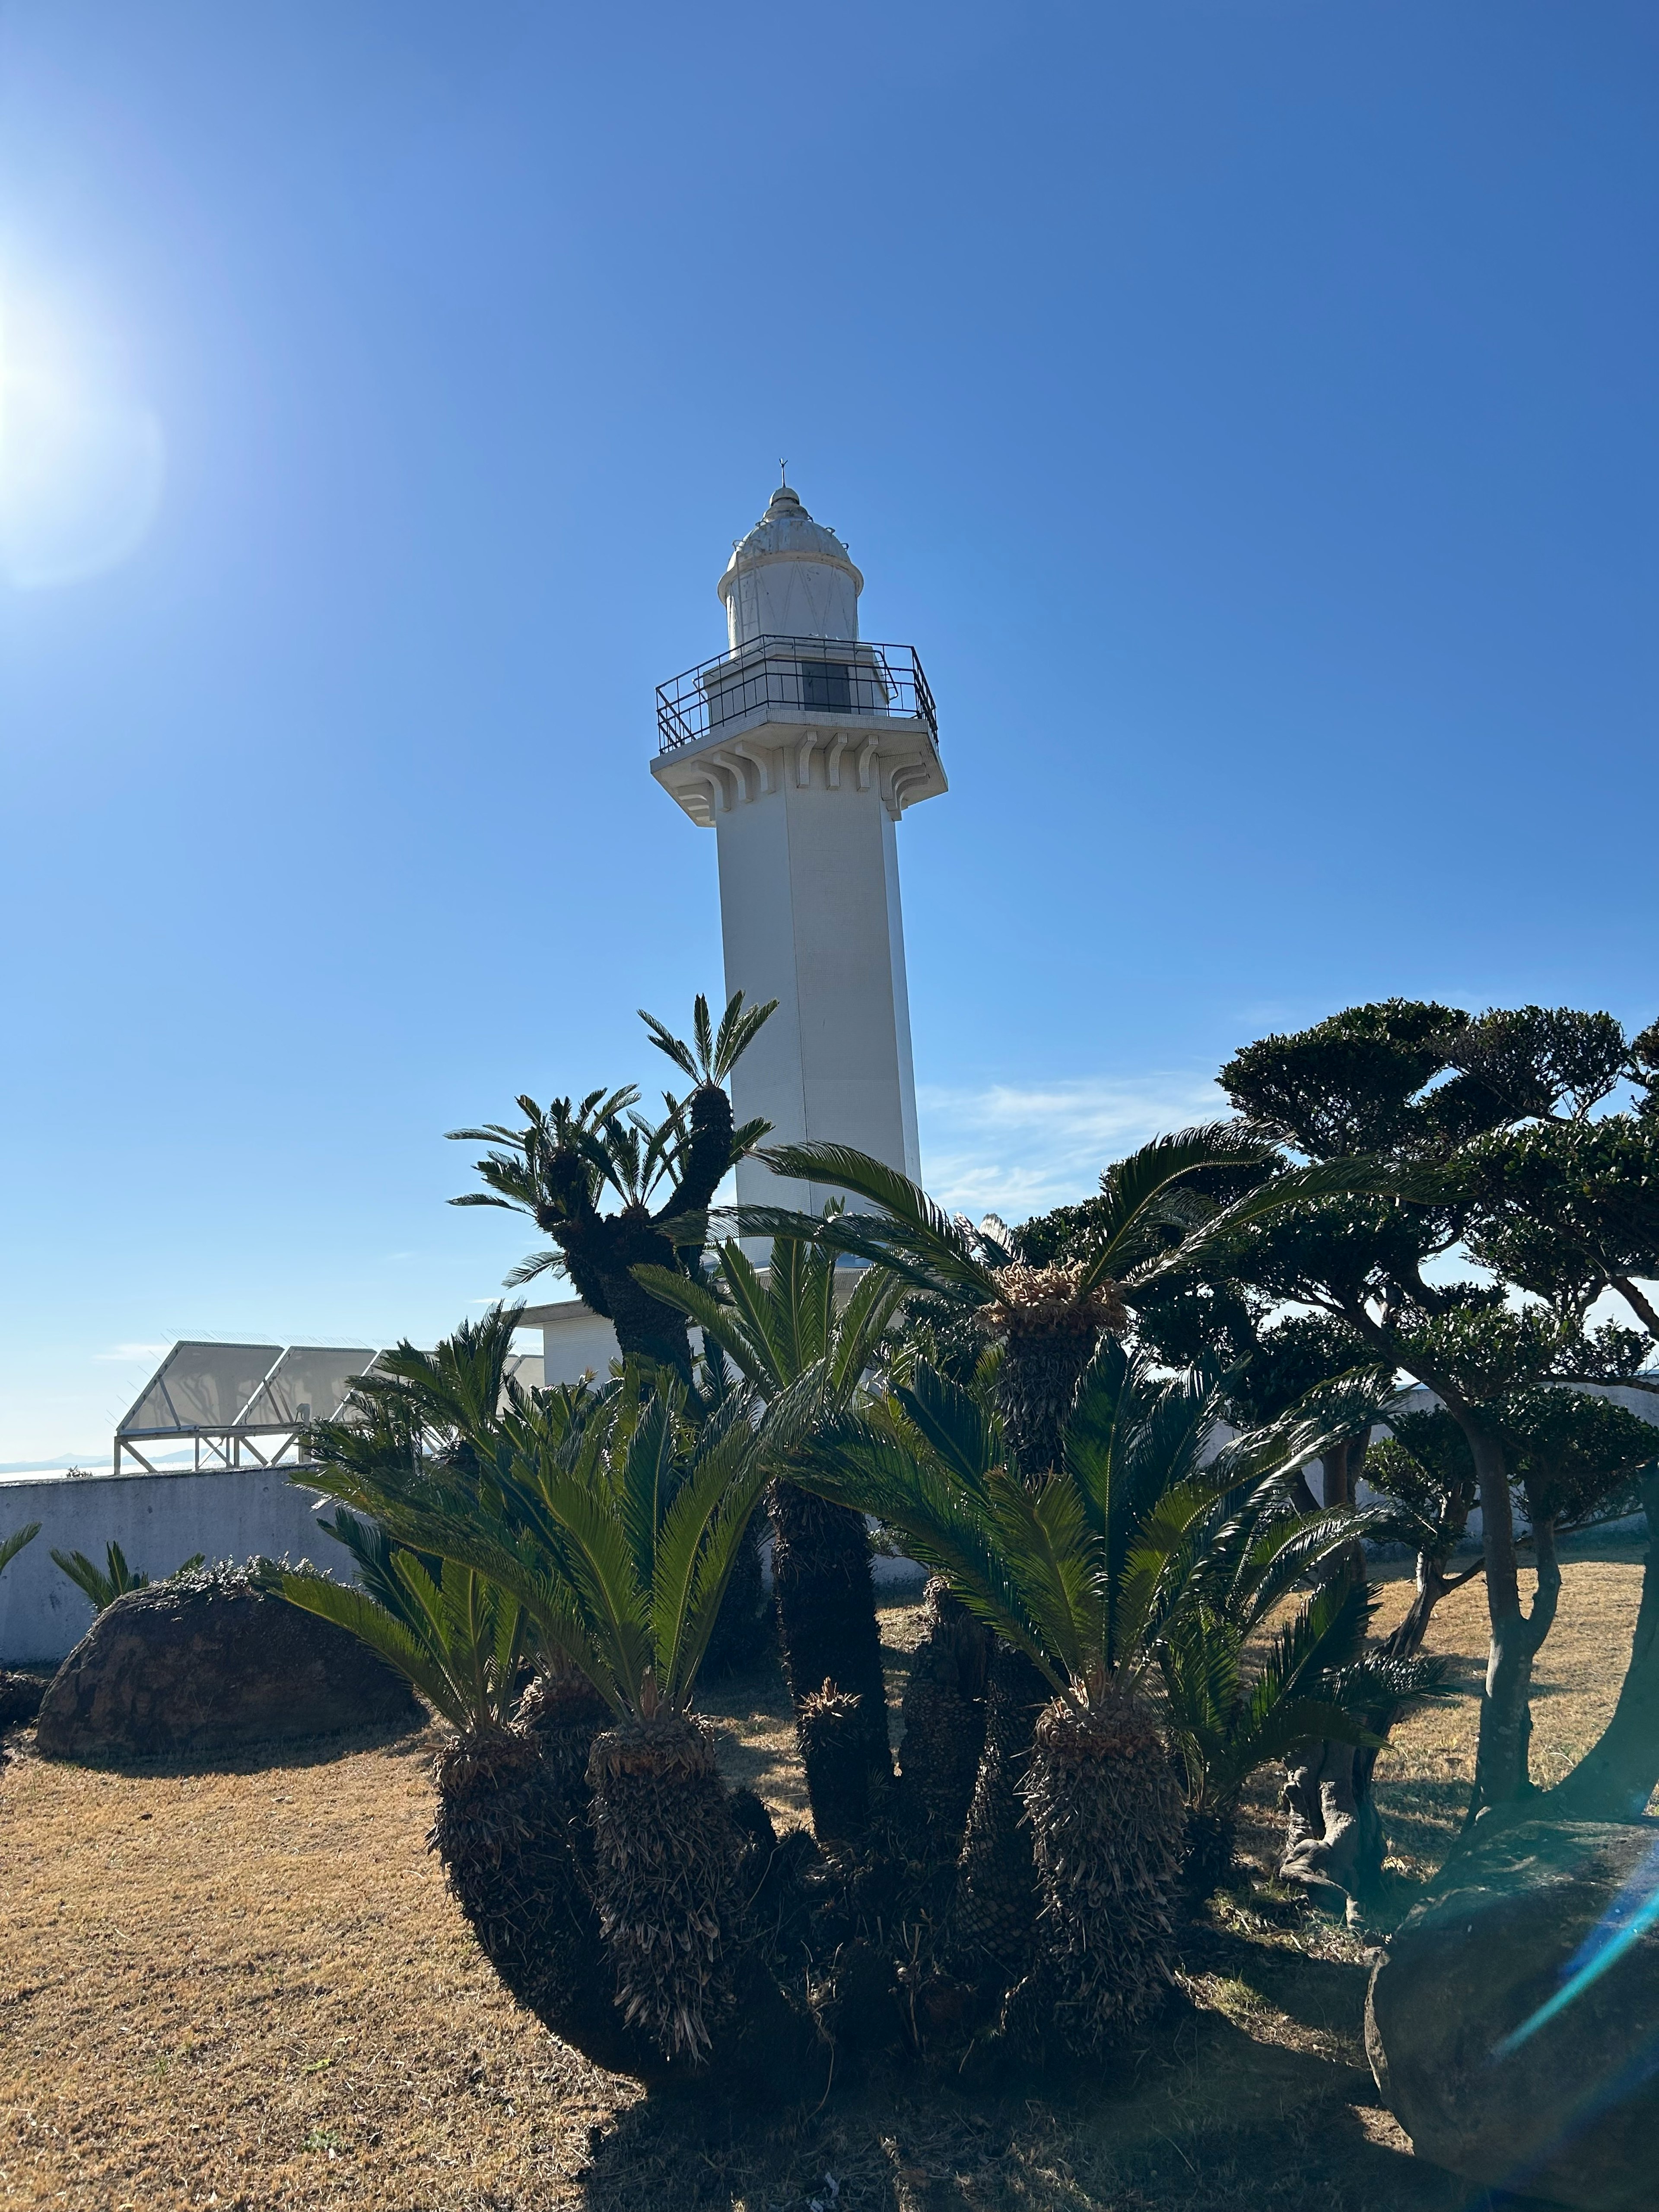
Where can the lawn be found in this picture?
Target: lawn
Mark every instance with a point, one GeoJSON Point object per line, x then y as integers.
{"type": "Point", "coordinates": [249, 1989]}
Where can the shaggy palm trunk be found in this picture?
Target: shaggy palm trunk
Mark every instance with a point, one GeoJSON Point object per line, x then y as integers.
{"type": "Point", "coordinates": [667, 1852]}
{"type": "Point", "coordinates": [994, 1911]}
{"type": "Point", "coordinates": [1209, 1848]}
{"type": "Point", "coordinates": [826, 1606]}
{"type": "Point", "coordinates": [1049, 1336]}
{"type": "Point", "coordinates": [512, 1830]}
{"type": "Point", "coordinates": [1037, 1390]}
{"type": "Point", "coordinates": [943, 1737]}
{"type": "Point", "coordinates": [602, 1250]}
{"type": "Point", "coordinates": [1106, 1826]}
{"type": "Point", "coordinates": [688, 1973]}
{"type": "Point", "coordinates": [742, 1627]}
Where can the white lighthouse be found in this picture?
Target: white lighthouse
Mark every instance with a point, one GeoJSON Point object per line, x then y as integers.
{"type": "Point", "coordinates": [801, 746]}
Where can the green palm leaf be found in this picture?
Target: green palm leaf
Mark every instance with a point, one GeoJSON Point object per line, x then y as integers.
{"type": "Point", "coordinates": [14, 1543]}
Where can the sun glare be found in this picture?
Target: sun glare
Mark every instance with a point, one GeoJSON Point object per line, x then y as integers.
{"type": "Point", "coordinates": [81, 460]}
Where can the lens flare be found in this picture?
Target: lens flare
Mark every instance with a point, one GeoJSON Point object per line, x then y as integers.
{"type": "Point", "coordinates": [81, 461]}
{"type": "Point", "coordinates": [1632, 1913]}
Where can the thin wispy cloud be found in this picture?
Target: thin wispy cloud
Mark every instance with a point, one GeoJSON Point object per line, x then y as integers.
{"type": "Point", "coordinates": [135, 1350]}
{"type": "Point", "coordinates": [1017, 1150]}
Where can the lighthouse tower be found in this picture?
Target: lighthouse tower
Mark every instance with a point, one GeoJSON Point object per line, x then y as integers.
{"type": "Point", "coordinates": [801, 746]}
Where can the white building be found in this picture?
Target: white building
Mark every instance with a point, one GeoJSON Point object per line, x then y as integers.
{"type": "Point", "coordinates": [801, 746]}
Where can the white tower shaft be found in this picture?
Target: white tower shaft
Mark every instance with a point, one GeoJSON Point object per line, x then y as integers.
{"type": "Point", "coordinates": [801, 748]}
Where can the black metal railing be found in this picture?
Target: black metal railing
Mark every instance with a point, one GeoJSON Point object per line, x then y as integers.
{"type": "Point", "coordinates": [804, 675]}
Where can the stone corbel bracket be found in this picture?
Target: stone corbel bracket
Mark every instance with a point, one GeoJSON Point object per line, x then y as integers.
{"type": "Point", "coordinates": [896, 756]}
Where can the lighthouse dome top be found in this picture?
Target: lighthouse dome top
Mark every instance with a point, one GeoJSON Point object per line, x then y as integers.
{"type": "Point", "coordinates": [790, 577]}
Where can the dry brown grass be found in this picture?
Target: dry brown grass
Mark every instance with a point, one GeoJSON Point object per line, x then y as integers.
{"type": "Point", "coordinates": [249, 1989]}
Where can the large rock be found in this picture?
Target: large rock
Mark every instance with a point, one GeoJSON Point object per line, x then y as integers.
{"type": "Point", "coordinates": [208, 1664]}
{"type": "Point", "coordinates": [1513, 2021]}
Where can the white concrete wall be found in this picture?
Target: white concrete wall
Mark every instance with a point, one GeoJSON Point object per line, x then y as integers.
{"type": "Point", "coordinates": [907, 1070]}
{"type": "Point", "coordinates": [574, 1341]}
{"type": "Point", "coordinates": [809, 913]}
{"type": "Point", "coordinates": [159, 1521]}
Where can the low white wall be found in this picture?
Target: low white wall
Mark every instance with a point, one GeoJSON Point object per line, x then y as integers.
{"type": "Point", "coordinates": [159, 1521]}
{"type": "Point", "coordinates": [575, 1342]}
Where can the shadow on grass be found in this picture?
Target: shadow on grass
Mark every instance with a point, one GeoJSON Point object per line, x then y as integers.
{"type": "Point", "coordinates": [1199, 2116]}
{"type": "Point", "coordinates": [417, 1741]}
{"type": "Point", "coordinates": [1423, 1817]}
{"type": "Point", "coordinates": [1327, 1995]}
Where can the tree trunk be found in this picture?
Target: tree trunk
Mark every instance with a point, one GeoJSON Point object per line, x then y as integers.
{"type": "Point", "coordinates": [1616, 1776]}
{"type": "Point", "coordinates": [689, 1973]}
{"type": "Point", "coordinates": [1501, 1769]}
{"type": "Point", "coordinates": [995, 1904]}
{"type": "Point", "coordinates": [826, 1605]}
{"type": "Point", "coordinates": [1405, 1639]}
{"type": "Point", "coordinates": [1106, 1828]}
{"type": "Point", "coordinates": [512, 1830]}
{"type": "Point", "coordinates": [1332, 1836]}
{"type": "Point", "coordinates": [944, 1736]}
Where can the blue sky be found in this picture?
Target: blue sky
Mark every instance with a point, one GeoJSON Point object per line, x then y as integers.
{"type": "Point", "coordinates": [1245, 406]}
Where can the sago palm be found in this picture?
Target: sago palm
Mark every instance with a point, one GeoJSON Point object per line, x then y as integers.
{"type": "Point", "coordinates": [805, 1334]}
{"type": "Point", "coordinates": [559, 1167]}
{"type": "Point", "coordinates": [614, 1522]}
{"type": "Point", "coordinates": [1154, 1217]}
{"type": "Point", "coordinates": [1085, 1573]}
{"type": "Point", "coordinates": [458, 1636]}
{"type": "Point", "coordinates": [1227, 1719]}
{"type": "Point", "coordinates": [513, 1804]}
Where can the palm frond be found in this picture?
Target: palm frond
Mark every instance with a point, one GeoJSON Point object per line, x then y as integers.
{"type": "Point", "coordinates": [953, 1425]}
{"type": "Point", "coordinates": [947, 1529]}
{"type": "Point", "coordinates": [910, 1231]}
{"type": "Point", "coordinates": [720, 1323]}
{"type": "Point", "coordinates": [383, 1632]}
{"type": "Point", "coordinates": [1300, 1186]}
{"type": "Point", "coordinates": [738, 1028]}
{"type": "Point", "coordinates": [1135, 1186]}
{"type": "Point", "coordinates": [14, 1543]}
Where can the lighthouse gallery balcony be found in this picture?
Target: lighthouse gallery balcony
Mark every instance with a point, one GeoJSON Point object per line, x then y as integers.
{"type": "Point", "coordinates": [793, 679]}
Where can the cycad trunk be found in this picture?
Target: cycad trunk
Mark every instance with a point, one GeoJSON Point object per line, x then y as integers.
{"type": "Point", "coordinates": [1047, 1346]}
{"type": "Point", "coordinates": [943, 1737]}
{"type": "Point", "coordinates": [689, 1973]}
{"type": "Point", "coordinates": [602, 1250]}
{"type": "Point", "coordinates": [832, 1657]}
{"type": "Point", "coordinates": [1049, 1328]}
{"type": "Point", "coordinates": [994, 1911]}
{"type": "Point", "coordinates": [1106, 1829]}
{"type": "Point", "coordinates": [667, 1852]}
{"type": "Point", "coordinates": [742, 1627]}
{"type": "Point", "coordinates": [512, 1830]}
{"type": "Point", "coordinates": [1209, 1848]}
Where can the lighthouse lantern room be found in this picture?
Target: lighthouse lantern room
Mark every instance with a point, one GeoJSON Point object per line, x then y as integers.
{"type": "Point", "coordinates": [801, 746]}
